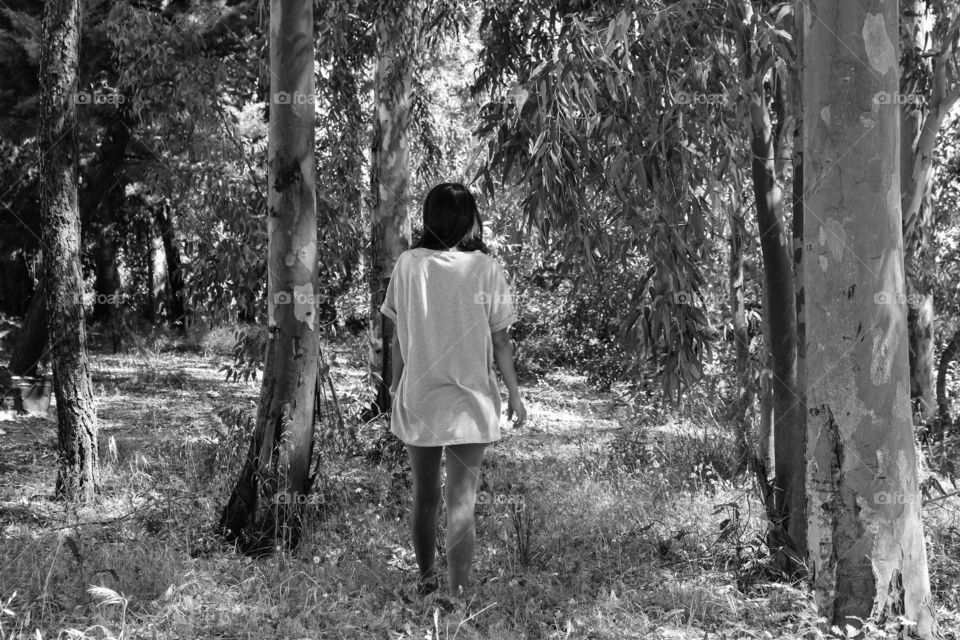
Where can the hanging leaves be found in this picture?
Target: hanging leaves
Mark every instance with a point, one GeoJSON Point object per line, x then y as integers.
{"type": "Point", "coordinates": [631, 115]}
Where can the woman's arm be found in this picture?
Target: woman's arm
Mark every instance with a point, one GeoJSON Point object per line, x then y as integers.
{"type": "Point", "coordinates": [503, 356]}
{"type": "Point", "coordinates": [396, 362]}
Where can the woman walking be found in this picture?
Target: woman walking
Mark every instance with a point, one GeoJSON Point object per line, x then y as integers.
{"type": "Point", "coordinates": [451, 306]}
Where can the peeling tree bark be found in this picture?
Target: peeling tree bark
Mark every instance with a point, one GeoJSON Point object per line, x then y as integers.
{"type": "Point", "coordinates": [266, 506]}
{"type": "Point", "coordinates": [865, 533]}
{"type": "Point", "coordinates": [389, 174]}
{"type": "Point", "coordinates": [78, 469]}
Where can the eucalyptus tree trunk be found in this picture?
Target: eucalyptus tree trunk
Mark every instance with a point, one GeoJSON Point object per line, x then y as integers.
{"type": "Point", "coordinates": [177, 310]}
{"type": "Point", "coordinates": [78, 469]}
{"type": "Point", "coordinates": [865, 532]}
{"type": "Point", "coordinates": [156, 275]}
{"type": "Point", "coordinates": [947, 358]}
{"type": "Point", "coordinates": [920, 126]}
{"type": "Point", "coordinates": [788, 510]}
{"type": "Point", "coordinates": [266, 507]}
{"type": "Point", "coordinates": [741, 338]}
{"type": "Point", "coordinates": [915, 212]}
{"type": "Point", "coordinates": [920, 323]}
{"type": "Point", "coordinates": [389, 173]}
{"type": "Point", "coordinates": [795, 102]}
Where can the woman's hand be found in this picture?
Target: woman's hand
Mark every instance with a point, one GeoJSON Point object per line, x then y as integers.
{"type": "Point", "coordinates": [515, 408]}
{"type": "Point", "coordinates": [396, 363]}
{"type": "Point", "coordinates": [503, 357]}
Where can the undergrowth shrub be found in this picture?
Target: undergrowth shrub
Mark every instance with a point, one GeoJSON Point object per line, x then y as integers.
{"type": "Point", "coordinates": [561, 325]}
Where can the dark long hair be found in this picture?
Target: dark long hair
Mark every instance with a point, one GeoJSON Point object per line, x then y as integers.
{"type": "Point", "coordinates": [451, 220]}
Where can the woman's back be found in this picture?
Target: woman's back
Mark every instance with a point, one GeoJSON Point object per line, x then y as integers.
{"type": "Point", "coordinates": [446, 304]}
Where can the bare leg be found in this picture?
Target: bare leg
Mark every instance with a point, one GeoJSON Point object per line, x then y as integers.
{"type": "Point", "coordinates": [463, 477]}
{"type": "Point", "coordinates": [425, 464]}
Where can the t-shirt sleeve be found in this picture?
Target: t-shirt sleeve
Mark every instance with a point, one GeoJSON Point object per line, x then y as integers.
{"type": "Point", "coordinates": [389, 306]}
{"type": "Point", "coordinates": [502, 314]}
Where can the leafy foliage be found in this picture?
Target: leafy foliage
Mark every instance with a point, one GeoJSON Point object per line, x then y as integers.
{"type": "Point", "coordinates": [617, 162]}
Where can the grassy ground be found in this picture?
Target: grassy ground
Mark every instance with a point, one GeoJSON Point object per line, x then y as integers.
{"type": "Point", "coordinates": [595, 522]}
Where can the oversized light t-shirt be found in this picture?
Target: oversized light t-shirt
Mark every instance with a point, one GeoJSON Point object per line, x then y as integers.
{"type": "Point", "coordinates": [445, 305]}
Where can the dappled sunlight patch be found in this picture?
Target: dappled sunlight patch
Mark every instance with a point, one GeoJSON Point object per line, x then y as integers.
{"type": "Point", "coordinates": [594, 522]}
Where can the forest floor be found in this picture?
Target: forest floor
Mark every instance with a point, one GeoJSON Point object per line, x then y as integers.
{"type": "Point", "coordinates": [596, 520]}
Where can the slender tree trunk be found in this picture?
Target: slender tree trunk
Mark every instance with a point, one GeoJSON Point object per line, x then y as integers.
{"type": "Point", "coordinates": [741, 339]}
{"type": "Point", "coordinates": [920, 126]}
{"type": "Point", "coordinates": [390, 175]}
{"type": "Point", "coordinates": [940, 457]}
{"type": "Point", "coordinates": [106, 284]}
{"type": "Point", "coordinates": [766, 419]}
{"type": "Point", "coordinates": [920, 325]}
{"type": "Point", "coordinates": [158, 274]}
{"type": "Point", "coordinates": [780, 326]}
{"type": "Point", "coordinates": [78, 472]}
{"type": "Point", "coordinates": [865, 532]}
{"type": "Point", "coordinates": [790, 469]}
{"type": "Point", "coordinates": [266, 506]}
{"type": "Point", "coordinates": [915, 212]}
{"type": "Point", "coordinates": [795, 98]}
{"type": "Point", "coordinates": [171, 253]}
{"type": "Point", "coordinates": [32, 339]}
{"type": "Point", "coordinates": [100, 200]}
{"type": "Point", "coordinates": [946, 361]}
